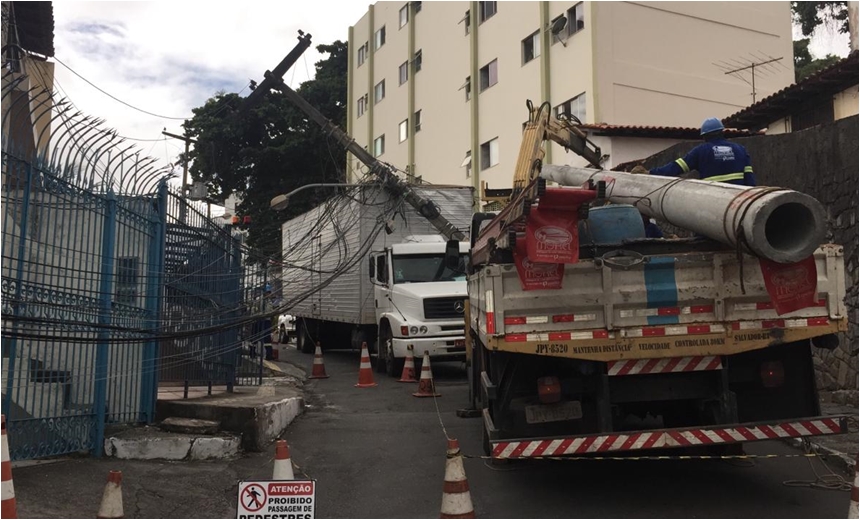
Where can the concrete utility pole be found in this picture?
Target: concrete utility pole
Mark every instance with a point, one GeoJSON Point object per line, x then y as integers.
{"type": "Point", "coordinates": [187, 140]}
{"type": "Point", "coordinates": [852, 24]}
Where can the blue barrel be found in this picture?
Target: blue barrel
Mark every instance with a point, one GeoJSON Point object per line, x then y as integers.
{"type": "Point", "coordinates": [611, 224]}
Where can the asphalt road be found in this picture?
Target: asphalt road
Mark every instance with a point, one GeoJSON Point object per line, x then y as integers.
{"type": "Point", "coordinates": [380, 453]}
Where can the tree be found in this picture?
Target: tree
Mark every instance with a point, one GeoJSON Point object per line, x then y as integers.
{"type": "Point", "coordinates": [804, 64]}
{"type": "Point", "coordinates": [809, 15]}
{"type": "Point", "coordinates": [272, 149]}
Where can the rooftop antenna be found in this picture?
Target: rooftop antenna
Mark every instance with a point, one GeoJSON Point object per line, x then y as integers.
{"type": "Point", "coordinates": [759, 64]}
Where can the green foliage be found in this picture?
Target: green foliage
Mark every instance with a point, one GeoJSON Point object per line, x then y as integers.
{"type": "Point", "coordinates": [804, 64]}
{"type": "Point", "coordinates": [272, 149]}
{"type": "Point", "coordinates": [809, 15]}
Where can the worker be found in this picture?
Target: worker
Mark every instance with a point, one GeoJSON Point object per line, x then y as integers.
{"type": "Point", "coordinates": [716, 159]}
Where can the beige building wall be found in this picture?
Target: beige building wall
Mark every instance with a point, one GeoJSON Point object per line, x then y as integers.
{"type": "Point", "coordinates": [845, 103]}
{"type": "Point", "coordinates": [637, 63]}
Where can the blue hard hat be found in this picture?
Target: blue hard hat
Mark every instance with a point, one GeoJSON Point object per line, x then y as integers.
{"type": "Point", "coordinates": [712, 124]}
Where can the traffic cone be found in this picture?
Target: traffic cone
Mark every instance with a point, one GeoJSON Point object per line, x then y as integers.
{"type": "Point", "coordinates": [318, 371]}
{"type": "Point", "coordinates": [283, 464]}
{"type": "Point", "coordinates": [425, 386]}
{"type": "Point", "coordinates": [852, 508]}
{"type": "Point", "coordinates": [112, 498]}
{"type": "Point", "coordinates": [408, 375]}
{"type": "Point", "coordinates": [9, 508]}
{"type": "Point", "coordinates": [365, 373]}
{"type": "Point", "coordinates": [456, 498]}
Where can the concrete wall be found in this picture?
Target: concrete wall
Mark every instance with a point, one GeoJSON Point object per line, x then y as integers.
{"type": "Point", "coordinates": [821, 161]}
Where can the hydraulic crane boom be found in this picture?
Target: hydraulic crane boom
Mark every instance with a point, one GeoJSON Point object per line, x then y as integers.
{"type": "Point", "coordinates": [389, 180]}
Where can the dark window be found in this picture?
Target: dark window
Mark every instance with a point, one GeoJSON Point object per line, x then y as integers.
{"type": "Point", "coordinates": [362, 54]}
{"type": "Point", "coordinates": [379, 39]}
{"type": "Point", "coordinates": [404, 15]}
{"type": "Point", "coordinates": [417, 7]}
{"type": "Point", "coordinates": [467, 21]}
{"type": "Point", "coordinates": [486, 10]}
{"type": "Point", "coordinates": [811, 115]}
{"type": "Point", "coordinates": [572, 109]}
{"type": "Point", "coordinates": [426, 268]}
{"type": "Point", "coordinates": [490, 153]}
{"type": "Point", "coordinates": [575, 19]}
{"type": "Point", "coordinates": [489, 75]}
{"type": "Point", "coordinates": [404, 72]}
{"type": "Point", "coordinates": [416, 62]}
{"type": "Point", "coordinates": [417, 119]}
{"type": "Point", "coordinates": [531, 47]}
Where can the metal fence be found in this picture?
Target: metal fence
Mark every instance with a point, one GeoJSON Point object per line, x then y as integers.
{"type": "Point", "coordinates": [111, 283]}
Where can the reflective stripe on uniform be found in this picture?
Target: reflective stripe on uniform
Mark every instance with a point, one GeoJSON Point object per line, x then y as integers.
{"type": "Point", "coordinates": [748, 169]}
{"type": "Point", "coordinates": [683, 164]}
{"type": "Point", "coordinates": [726, 178]}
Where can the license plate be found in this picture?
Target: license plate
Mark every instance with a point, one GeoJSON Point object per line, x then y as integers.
{"type": "Point", "coordinates": [542, 413]}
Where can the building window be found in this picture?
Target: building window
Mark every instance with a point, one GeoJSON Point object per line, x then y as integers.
{"type": "Point", "coordinates": [467, 20]}
{"type": "Point", "coordinates": [575, 19]}
{"type": "Point", "coordinates": [362, 105]}
{"type": "Point", "coordinates": [403, 130]}
{"type": "Point", "coordinates": [486, 10]}
{"type": "Point", "coordinates": [467, 163]}
{"type": "Point", "coordinates": [467, 86]}
{"type": "Point", "coordinates": [379, 146]}
{"type": "Point", "coordinates": [362, 54]}
{"type": "Point", "coordinates": [417, 119]}
{"type": "Point", "coordinates": [379, 92]}
{"type": "Point", "coordinates": [417, 6]}
{"type": "Point", "coordinates": [489, 75]}
{"type": "Point", "coordinates": [379, 38]}
{"type": "Point", "coordinates": [531, 47]}
{"type": "Point", "coordinates": [416, 61]}
{"type": "Point", "coordinates": [126, 280]}
{"type": "Point", "coordinates": [404, 15]}
{"type": "Point", "coordinates": [572, 109]}
{"type": "Point", "coordinates": [490, 153]}
{"type": "Point", "coordinates": [403, 72]}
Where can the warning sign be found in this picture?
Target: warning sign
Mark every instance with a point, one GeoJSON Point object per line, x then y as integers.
{"type": "Point", "coordinates": [276, 499]}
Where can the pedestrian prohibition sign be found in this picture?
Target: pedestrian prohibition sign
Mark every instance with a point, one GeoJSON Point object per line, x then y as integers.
{"type": "Point", "coordinates": [276, 499]}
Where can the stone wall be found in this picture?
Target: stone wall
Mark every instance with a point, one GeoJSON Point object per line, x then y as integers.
{"type": "Point", "coordinates": [822, 162]}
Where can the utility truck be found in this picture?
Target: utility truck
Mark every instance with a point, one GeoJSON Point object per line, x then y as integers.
{"type": "Point", "coordinates": [584, 337]}
{"type": "Point", "coordinates": [398, 291]}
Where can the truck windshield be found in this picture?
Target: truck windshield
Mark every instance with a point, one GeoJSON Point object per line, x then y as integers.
{"type": "Point", "coordinates": [427, 268]}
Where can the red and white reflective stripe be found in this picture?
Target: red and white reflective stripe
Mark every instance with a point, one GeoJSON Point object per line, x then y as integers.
{"type": "Point", "coordinates": [781, 324]}
{"type": "Point", "coordinates": [629, 367]}
{"type": "Point", "coordinates": [677, 330]}
{"type": "Point", "coordinates": [763, 306]}
{"type": "Point", "coordinates": [491, 315]}
{"type": "Point", "coordinates": [662, 439]}
{"type": "Point", "coordinates": [558, 336]}
{"type": "Point", "coordinates": [8, 504]}
{"type": "Point", "coordinates": [667, 311]}
{"type": "Point", "coordinates": [558, 318]}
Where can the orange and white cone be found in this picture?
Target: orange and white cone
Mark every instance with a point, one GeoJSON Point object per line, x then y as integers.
{"type": "Point", "coordinates": [9, 507]}
{"type": "Point", "coordinates": [112, 498]}
{"type": "Point", "coordinates": [318, 371]}
{"type": "Point", "coordinates": [853, 511]}
{"type": "Point", "coordinates": [365, 373]}
{"type": "Point", "coordinates": [408, 375]}
{"type": "Point", "coordinates": [425, 386]}
{"type": "Point", "coordinates": [283, 464]}
{"type": "Point", "coordinates": [456, 498]}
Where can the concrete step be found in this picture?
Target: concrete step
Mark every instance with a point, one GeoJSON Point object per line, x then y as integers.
{"type": "Point", "coordinates": [186, 425]}
{"type": "Point", "coordinates": [148, 443]}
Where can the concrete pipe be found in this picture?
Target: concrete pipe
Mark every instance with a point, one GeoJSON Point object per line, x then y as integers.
{"type": "Point", "coordinates": [777, 224]}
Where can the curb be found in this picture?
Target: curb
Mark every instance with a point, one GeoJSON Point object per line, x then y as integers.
{"type": "Point", "coordinates": [843, 461]}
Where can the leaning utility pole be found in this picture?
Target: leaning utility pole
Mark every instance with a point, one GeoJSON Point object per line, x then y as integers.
{"type": "Point", "coordinates": [389, 180]}
{"type": "Point", "coordinates": [188, 141]}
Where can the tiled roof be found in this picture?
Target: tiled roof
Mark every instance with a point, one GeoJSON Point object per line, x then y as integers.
{"type": "Point", "coordinates": [826, 82]}
{"type": "Point", "coordinates": [665, 132]}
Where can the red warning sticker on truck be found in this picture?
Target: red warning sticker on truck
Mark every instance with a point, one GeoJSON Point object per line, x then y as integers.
{"type": "Point", "coordinates": [791, 286]}
{"type": "Point", "coordinates": [536, 275]}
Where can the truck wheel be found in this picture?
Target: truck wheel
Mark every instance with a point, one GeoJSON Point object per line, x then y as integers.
{"type": "Point", "coordinates": [303, 342]}
{"type": "Point", "coordinates": [381, 343]}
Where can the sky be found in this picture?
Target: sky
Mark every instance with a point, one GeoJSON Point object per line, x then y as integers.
{"type": "Point", "coordinates": [169, 57]}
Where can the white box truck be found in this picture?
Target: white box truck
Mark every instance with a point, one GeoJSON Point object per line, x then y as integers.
{"type": "Point", "coordinates": [398, 294]}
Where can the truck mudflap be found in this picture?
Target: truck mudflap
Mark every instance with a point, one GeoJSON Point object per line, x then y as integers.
{"type": "Point", "coordinates": [661, 439]}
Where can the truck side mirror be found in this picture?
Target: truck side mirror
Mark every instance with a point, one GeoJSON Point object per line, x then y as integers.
{"type": "Point", "coordinates": [452, 255]}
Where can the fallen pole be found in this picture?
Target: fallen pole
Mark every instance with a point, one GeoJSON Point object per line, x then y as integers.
{"type": "Point", "coordinates": [774, 223]}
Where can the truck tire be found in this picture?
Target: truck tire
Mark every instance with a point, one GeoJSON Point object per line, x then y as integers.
{"type": "Point", "coordinates": [303, 341]}
{"type": "Point", "coordinates": [385, 361]}
{"type": "Point", "coordinates": [381, 339]}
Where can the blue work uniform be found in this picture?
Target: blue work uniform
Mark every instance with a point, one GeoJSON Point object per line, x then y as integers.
{"type": "Point", "coordinates": [718, 161]}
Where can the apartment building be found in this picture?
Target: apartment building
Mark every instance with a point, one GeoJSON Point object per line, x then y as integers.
{"type": "Point", "coordinates": [439, 89]}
